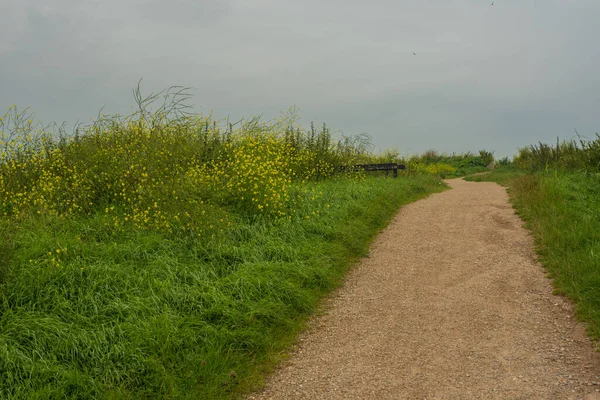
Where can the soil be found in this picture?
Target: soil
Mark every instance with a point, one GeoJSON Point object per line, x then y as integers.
{"type": "Point", "coordinates": [449, 304]}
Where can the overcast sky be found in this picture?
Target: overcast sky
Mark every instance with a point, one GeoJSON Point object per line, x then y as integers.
{"type": "Point", "coordinates": [484, 76]}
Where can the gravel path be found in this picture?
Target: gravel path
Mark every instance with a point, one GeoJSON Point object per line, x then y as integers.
{"type": "Point", "coordinates": [450, 304]}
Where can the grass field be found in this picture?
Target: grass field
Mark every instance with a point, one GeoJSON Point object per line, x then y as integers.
{"type": "Point", "coordinates": [87, 312]}
{"type": "Point", "coordinates": [164, 255]}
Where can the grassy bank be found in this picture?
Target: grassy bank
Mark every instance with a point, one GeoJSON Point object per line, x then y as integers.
{"type": "Point", "coordinates": [167, 255]}
{"type": "Point", "coordinates": [90, 312]}
{"type": "Point", "coordinates": [502, 176]}
{"type": "Point", "coordinates": [562, 209]}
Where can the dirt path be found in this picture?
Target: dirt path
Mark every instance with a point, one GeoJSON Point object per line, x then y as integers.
{"type": "Point", "coordinates": [449, 305]}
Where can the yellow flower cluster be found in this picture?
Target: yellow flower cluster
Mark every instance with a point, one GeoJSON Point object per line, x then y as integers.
{"type": "Point", "coordinates": [253, 174]}
{"type": "Point", "coordinates": [441, 169]}
{"type": "Point", "coordinates": [131, 170]}
{"type": "Point", "coordinates": [308, 165]}
{"type": "Point", "coordinates": [153, 172]}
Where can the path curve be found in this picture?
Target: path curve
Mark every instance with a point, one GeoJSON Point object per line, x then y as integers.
{"type": "Point", "coordinates": [450, 304]}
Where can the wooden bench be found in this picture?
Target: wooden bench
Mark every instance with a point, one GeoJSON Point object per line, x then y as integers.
{"type": "Point", "coordinates": [387, 167]}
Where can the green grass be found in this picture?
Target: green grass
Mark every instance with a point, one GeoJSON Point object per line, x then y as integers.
{"type": "Point", "coordinates": [502, 176]}
{"type": "Point", "coordinates": [465, 171]}
{"type": "Point", "coordinates": [134, 313]}
{"type": "Point", "coordinates": [570, 155]}
{"type": "Point", "coordinates": [562, 209]}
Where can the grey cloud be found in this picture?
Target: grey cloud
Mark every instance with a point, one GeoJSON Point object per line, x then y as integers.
{"type": "Point", "coordinates": [482, 77]}
{"type": "Point", "coordinates": [198, 12]}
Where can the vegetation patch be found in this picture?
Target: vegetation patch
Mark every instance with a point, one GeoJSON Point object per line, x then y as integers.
{"type": "Point", "coordinates": [450, 165]}
{"type": "Point", "coordinates": [164, 255]}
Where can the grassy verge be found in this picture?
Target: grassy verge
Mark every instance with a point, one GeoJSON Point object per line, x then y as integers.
{"type": "Point", "coordinates": [563, 212]}
{"type": "Point", "coordinates": [449, 166]}
{"type": "Point", "coordinates": [90, 312]}
{"type": "Point", "coordinates": [501, 176]}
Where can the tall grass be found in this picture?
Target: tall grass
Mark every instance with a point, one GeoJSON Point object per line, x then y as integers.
{"type": "Point", "coordinates": [449, 165]}
{"type": "Point", "coordinates": [152, 168]}
{"type": "Point", "coordinates": [569, 155]}
{"type": "Point", "coordinates": [165, 255]}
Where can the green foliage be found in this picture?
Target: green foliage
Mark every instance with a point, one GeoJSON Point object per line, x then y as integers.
{"type": "Point", "coordinates": [440, 169]}
{"type": "Point", "coordinates": [505, 162]}
{"type": "Point", "coordinates": [501, 175]}
{"type": "Point", "coordinates": [445, 165]}
{"type": "Point", "coordinates": [486, 157]}
{"type": "Point", "coordinates": [166, 255]}
{"type": "Point", "coordinates": [568, 155]}
{"type": "Point", "coordinates": [151, 168]}
{"type": "Point", "coordinates": [88, 311]}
